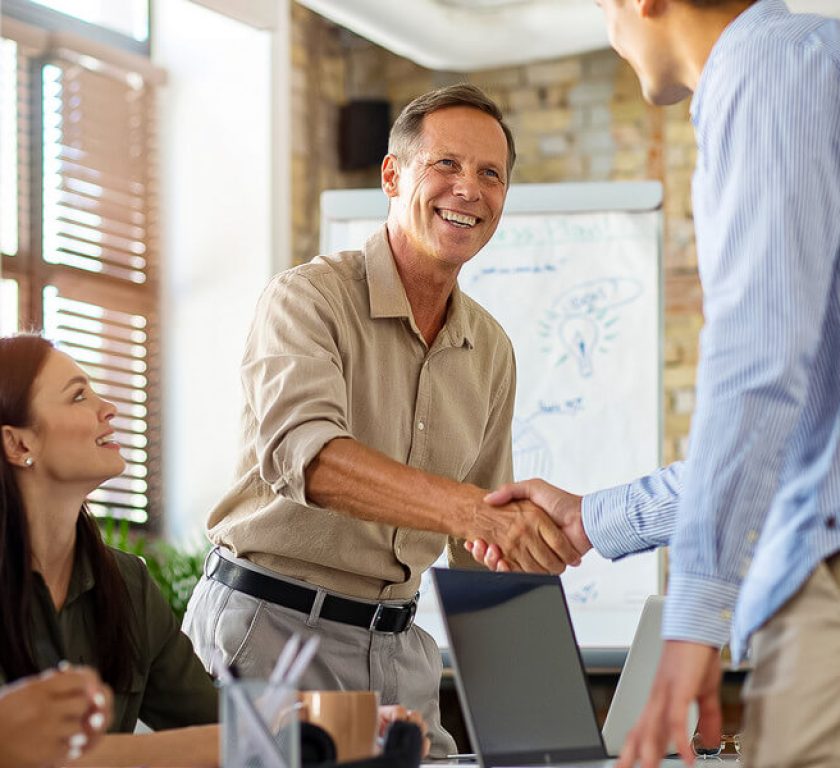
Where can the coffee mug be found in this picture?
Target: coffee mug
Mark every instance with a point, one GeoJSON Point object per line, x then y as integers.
{"type": "Point", "coordinates": [351, 718]}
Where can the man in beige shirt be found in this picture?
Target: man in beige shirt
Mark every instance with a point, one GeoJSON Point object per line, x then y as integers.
{"type": "Point", "coordinates": [378, 406]}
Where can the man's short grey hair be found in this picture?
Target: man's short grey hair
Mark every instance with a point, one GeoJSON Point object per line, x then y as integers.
{"type": "Point", "coordinates": [408, 128]}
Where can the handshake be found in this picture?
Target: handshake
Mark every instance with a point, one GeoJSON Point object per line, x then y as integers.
{"type": "Point", "coordinates": [528, 526]}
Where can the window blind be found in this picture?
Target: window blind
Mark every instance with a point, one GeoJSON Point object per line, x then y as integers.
{"type": "Point", "coordinates": [86, 262]}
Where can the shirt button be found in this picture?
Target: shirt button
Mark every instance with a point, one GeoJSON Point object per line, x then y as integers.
{"type": "Point", "coordinates": [726, 615]}
{"type": "Point", "coordinates": [752, 537]}
{"type": "Point", "coordinates": [421, 426]}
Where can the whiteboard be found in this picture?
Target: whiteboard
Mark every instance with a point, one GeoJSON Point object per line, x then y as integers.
{"type": "Point", "coordinates": [574, 275]}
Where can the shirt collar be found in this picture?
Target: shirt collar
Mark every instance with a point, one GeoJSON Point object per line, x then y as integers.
{"type": "Point", "coordinates": [387, 293]}
{"type": "Point", "coordinates": [82, 579]}
{"type": "Point", "coordinates": [752, 18]}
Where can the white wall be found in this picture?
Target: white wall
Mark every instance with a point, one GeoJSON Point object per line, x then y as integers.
{"type": "Point", "coordinates": [219, 152]}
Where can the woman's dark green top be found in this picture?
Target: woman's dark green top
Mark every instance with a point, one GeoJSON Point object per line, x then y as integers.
{"type": "Point", "coordinates": [169, 686]}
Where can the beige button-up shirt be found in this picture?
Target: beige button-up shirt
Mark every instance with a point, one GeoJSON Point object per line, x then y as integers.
{"type": "Point", "coordinates": [334, 352]}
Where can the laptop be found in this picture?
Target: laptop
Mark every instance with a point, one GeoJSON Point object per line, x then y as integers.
{"type": "Point", "coordinates": [636, 680]}
{"type": "Point", "coordinates": [519, 674]}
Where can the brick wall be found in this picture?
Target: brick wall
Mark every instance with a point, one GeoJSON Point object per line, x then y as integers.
{"type": "Point", "coordinates": [580, 118]}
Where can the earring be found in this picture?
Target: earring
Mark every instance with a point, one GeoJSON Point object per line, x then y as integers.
{"type": "Point", "coordinates": [28, 461]}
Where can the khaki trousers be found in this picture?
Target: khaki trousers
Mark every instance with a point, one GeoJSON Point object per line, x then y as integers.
{"type": "Point", "coordinates": [405, 668]}
{"type": "Point", "coordinates": [792, 697]}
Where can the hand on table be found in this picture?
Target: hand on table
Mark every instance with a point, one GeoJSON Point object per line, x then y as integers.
{"type": "Point", "coordinates": [687, 672]}
{"type": "Point", "coordinates": [563, 508]}
{"type": "Point", "coordinates": [53, 717]}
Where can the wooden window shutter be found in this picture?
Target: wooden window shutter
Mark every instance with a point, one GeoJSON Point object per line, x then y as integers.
{"type": "Point", "coordinates": [16, 57]}
{"type": "Point", "coordinates": [90, 275]}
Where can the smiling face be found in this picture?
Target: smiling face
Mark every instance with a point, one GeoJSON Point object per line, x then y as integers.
{"type": "Point", "coordinates": [71, 439]}
{"type": "Point", "coordinates": [447, 198]}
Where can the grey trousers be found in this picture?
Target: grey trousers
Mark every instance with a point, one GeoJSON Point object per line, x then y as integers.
{"type": "Point", "coordinates": [405, 668]}
{"type": "Point", "coordinates": [792, 697]}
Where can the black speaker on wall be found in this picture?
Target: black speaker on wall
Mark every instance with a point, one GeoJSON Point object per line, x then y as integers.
{"type": "Point", "coordinates": [363, 127]}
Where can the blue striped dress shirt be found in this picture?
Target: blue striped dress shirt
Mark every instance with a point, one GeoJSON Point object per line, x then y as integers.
{"type": "Point", "coordinates": [756, 505]}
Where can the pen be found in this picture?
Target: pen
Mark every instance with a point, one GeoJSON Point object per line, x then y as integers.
{"type": "Point", "coordinates": [267, 746]}
{"type": "Point", "coordinates": [285, 659]}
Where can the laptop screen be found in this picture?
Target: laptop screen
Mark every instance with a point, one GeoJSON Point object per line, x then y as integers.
{"type": "Point", "coordinates": [520, 677]}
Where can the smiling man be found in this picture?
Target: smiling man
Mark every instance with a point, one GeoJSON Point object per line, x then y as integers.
{"type": "Point", "coordinates": [378, 406]}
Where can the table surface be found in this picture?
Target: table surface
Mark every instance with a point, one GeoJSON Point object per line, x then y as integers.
{"type": "Point", "coordinates": [709, 762]}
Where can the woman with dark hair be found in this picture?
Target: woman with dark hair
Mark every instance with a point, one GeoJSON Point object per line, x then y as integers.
{"type": "Point", "coordinates": [66, 596]}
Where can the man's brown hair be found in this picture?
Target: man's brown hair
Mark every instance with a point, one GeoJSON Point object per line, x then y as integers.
{"type": "Point", "coordinates": [406, 131]}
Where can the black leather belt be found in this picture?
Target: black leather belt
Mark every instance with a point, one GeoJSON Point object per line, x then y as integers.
{"type": "Point", "coordinates": [377, 617]}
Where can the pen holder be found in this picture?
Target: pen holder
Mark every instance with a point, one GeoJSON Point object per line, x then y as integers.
{"type": "Point", "coordinates": [259, 725]}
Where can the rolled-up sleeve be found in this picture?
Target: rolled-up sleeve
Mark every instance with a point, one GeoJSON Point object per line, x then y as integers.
{"type": "Point", "coordinates": [292, 377]}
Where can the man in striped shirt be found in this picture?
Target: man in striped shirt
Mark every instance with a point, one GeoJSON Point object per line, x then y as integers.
{"type": "Point", "coordinates": [753, 516]}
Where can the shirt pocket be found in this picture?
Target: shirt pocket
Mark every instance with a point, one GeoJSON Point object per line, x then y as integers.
{"type": "Point", "coordinates": [456, 438]}
{"type": "Point", "coordinates": [458, 416]}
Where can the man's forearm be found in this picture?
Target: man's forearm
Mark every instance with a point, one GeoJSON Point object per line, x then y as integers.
{"type": "Point", "coordinates": [349, 477]}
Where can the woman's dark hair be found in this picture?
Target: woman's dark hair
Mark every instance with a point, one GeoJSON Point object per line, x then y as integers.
{"type": "Point", "coordinates": [22, 358]}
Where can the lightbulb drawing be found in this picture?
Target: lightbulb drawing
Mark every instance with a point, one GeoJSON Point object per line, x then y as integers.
{"type": "Point", "coordinates": [582, 321]}
{"type": "Point", "coordinates": [580, 335]}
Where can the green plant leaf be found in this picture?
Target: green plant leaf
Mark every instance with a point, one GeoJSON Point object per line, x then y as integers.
{"type": "Point", "coordinates": [176, 570]}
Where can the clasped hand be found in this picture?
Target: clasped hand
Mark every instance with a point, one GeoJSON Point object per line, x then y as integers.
{"type": "Point", "coordinates": [531, 526]}
{"type": "Point", "coordinates": [53, 717]}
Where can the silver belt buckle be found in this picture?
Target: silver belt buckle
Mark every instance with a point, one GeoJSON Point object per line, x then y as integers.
{"type": "Point", "coordinates": [211, 566]}
{"type": "Point", "coordinates": [411, 615]}
{"type": "Point", "coordinates": [374, 620]}
{"type": "Point", "coordinates": [377, 614]}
